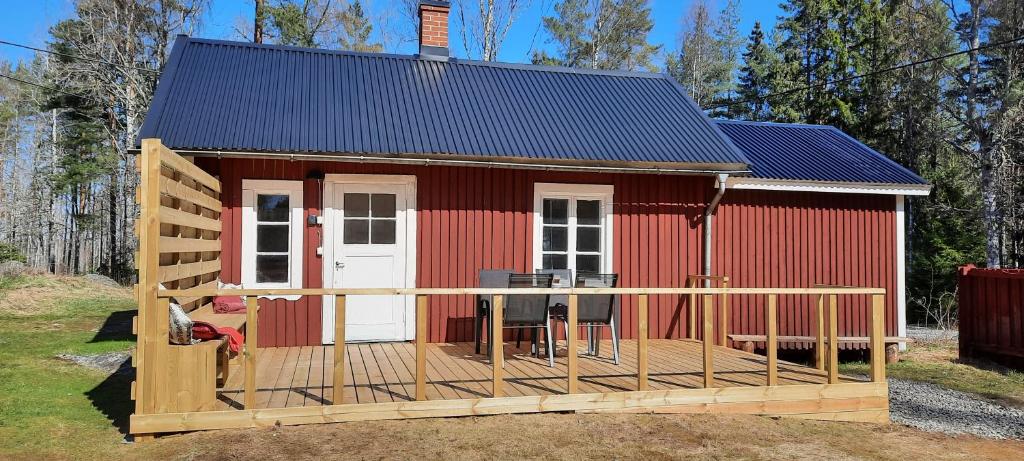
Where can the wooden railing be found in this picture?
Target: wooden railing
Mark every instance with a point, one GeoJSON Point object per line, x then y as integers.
{"type": "Point", "coordinates": [876, 331]}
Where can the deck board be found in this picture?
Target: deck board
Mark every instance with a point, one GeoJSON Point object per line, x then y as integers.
{"type": "Point", "coordinates": [385, 372]}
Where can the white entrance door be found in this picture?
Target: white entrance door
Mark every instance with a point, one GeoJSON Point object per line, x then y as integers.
{"type": "Point", "coordinates": [370, 244]}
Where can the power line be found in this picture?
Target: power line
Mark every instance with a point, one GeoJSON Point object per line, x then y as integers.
{"type": "Point", "coordinates": [48, 88]}
{"type": "Point", "coordinates": [869, 74]}
{"type": "Point", "coordinates": [74, 56]}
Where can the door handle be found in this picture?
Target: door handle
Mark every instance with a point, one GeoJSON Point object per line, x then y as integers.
{"type": "Point", "coordinates": [339, 264]}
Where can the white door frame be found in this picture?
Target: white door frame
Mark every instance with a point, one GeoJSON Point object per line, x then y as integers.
{"type": "Point", "coordinates": [330, 182]}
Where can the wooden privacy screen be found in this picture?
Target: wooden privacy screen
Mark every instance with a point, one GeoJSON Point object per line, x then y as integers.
{"type": "Point", "coordinates": [991, 305]}
{"type": "Point", "coordinates": [179, 246]}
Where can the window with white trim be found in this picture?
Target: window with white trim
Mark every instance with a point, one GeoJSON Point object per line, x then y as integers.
{"type": "Point", "coordinates": [272, 223]}
{"type": "Point", "coordinates": [572, 227]}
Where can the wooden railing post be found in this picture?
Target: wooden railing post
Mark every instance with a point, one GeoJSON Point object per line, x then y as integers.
{"type": "Point", "coordinates": [819, 338]}
{"type": "Point", "coordinates": [723, 316]}
{"type": "Point", "coordinates": [691, 324]}
{"type": "Point", "coordinates": [421, 347]}
{"type": "Point", "coordinates": [709, 341]}
{"type": "Point", "coordinates": [339, 349]}
{"type": "Point", "coordinates": [251, 333]}
{"type": "Point", "coordinates": [772, 344]}
{"type": "Point", "coordinates": [497, 339]}
{"type": "Point", "coordinates": [877, 338]}
{"type": "Point", "coordinates": [641, 344]}
{"type": "Point", "coordinates": [571, 349]}
{"type": "Point", "coordinates": [833, 340]}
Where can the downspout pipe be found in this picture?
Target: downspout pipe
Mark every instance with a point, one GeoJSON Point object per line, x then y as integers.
{"type": "Point", "coordinates": [709, 214]}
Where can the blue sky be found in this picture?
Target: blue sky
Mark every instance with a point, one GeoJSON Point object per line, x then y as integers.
{"type": "Point", "coordinates": [27, 22]}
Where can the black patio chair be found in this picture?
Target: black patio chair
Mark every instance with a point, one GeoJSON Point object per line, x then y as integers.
{"type": "Point", "coordinates": [558, 304]}
{"type": "Point", "coordinates": [530, 310]}
{"type": "Point", "coordinates": [489, 278]}
{"type": "Point", "coordinates": [595, 311]}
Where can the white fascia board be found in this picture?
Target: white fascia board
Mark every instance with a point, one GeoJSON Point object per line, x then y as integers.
{"type": "Point", "coordinates": [741, 183]}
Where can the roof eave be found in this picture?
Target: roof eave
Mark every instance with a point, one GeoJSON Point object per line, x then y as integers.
{"type": "Point", "coordinates": [839, 187]}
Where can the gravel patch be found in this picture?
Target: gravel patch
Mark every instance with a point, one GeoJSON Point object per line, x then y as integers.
{"type": "Point", "coordinates": [937, 409]}
{"type": "Point", "coordinates": [110, 362]}
{"type": "Point", "coordinates": [930, 334]}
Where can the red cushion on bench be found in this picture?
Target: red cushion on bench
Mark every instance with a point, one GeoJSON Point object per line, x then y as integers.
{"type": "Point", "coordinates": [228, 304]}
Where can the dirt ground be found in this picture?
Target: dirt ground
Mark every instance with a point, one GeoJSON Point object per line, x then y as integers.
{"type": "Point", "coordinates": [570, 436]}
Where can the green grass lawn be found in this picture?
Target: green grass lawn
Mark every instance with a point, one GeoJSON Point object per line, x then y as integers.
{"type": "Point", "coordinates": [938, 363]}
{"type": "Point", "coordinates": [50, 408]}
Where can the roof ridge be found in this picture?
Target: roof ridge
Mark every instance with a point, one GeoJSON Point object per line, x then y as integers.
{"type": "Point", "coordinates": [788, 124]}
{"type": "Point", "coordinates": [453, 60]}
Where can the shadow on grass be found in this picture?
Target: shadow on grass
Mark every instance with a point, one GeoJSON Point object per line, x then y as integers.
{"type": "Point", "coordinates": [117, 327]}
{"type": "Point", "coordinates": [112, 397]}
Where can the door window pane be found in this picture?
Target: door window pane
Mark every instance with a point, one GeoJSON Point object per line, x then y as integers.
{"type": "Point", "coordinates": [588, 263]}
{"type": "Point", "coordinates": [382, 231]}
{"type": "Point", "coordinates": [588, 239]}
{"type": "Point", "coordinates": [588, 212]}
{"type": "Point", "coordinates": [357, 231]}
{"type": "Point", "coordinates": [272, 208]}
{"type": "Point", "coordinates": [556, 262]}
{"type": "Point", "coordinates": [272, 269]}
{"type": "Point", "coordinates": [357, 205]}
{"type": "Point", "coordinates": [382, 205]}
{"type": "Point", "coordinates": [272, 237]}
{"type": "Point", "coordinates": [556, 238]}
{"type": "Point", "coordinates": [556, 211]}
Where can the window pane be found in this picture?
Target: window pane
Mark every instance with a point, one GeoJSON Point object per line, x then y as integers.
{"type": "Point", "coordinates": [556, 211]}
{"type": "Point", "coordinates": [588, 263]}
{"type": "Point", "coordinates": [272, 268]}
{"type": "Point", "coordinates": [272, 237]}
{"type": "Point", "coordinates": [272, 208]}
{"type": "Point", "coordinates": [588, 212]}
{"type": "Point", "coordinates": [556, 238]}
{"type": "Point", "coordinates": [382, 205]}
{"type": "Point", "coordinates": [357, 205]}
{"type": "Point", "coordinates": [588, 239]}
{"type": "Point", "coordinates": [556, 262]}
{"type": "Point", "coordinates": [357, 231]}
{"type": "Point", "coordinates": [382, 231]}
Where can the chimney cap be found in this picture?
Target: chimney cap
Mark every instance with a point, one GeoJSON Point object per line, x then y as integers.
{"type": "Point", "coordinates": [436, 3]}
{"type": "Point", "coordinates": [434, 37]}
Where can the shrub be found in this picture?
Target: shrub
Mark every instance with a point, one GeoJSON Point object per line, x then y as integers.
{"type": "Point", "coordinates": [10, 252]}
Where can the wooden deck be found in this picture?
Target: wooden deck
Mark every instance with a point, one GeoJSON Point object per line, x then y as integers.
{"type": "Point", "coordinates": [385, 372]}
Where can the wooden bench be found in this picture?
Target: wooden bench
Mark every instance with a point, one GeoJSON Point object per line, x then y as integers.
{"type": "Point", "coordinates": [746, 342]}
{"type": "Point", "coordinates": [236, 321]}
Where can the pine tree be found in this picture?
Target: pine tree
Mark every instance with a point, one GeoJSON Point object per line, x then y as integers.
{"type": "Point", "coordinates": [357, 30]}
{"type": "Point", "coordinates": [755, 78]}
{"type": "Point", "coordinates": [600, 34]}
{"type": "Point", "coordinates": [707, 59]}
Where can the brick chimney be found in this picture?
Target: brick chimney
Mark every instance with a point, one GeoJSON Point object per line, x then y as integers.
{"type": "Point", "coordinates": [434, 28]}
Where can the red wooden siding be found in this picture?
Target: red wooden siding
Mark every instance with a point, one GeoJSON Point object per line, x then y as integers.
{"type": "Point", "coordinates": [991, 314]}
{"type": "Point", "coordinates": [796, 239]}
{"type": "Point", "coordinates": [475, 218]}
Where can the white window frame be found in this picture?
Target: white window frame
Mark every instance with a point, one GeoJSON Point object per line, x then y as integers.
{"type": "Point", "coordinates": [573, 192]}
{"type": "Point", "coordinates": [250, 189]}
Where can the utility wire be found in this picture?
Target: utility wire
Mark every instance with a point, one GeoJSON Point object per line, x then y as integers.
{"type": "Point", "coordinates": [75, 56]}
{"type": "Point", "coordinates": [37, 85]}
{"type": "Point", "coordinates": [826, 83]}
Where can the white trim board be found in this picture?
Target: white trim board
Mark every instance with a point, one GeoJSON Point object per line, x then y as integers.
{"type": "Point", "coordinates": [741, 183]}
{"type": "Point", "coordinates": [901, 269]}
{"type": "Point", "coordinates": [603, 192]}
{"type": "Point", "coordinates": [327, 260]}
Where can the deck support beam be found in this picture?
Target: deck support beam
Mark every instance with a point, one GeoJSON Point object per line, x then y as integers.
{"type": "Point", "coordinates": [339, 349]}
{"type": "Point", "coordinates": [421, 347]}
{"type": "Point", "coordinates": [572, 359]}
{"type": "Point", "coordinates": [251, 334]}
{"type": "Point", "coordinates": [641, 344]}
{"type": "Point", "coordinates": [497, 340]}
{"type": "Point", "coordinates": [709, 342]}
{"type": "Point", "coordinates": [772, 343]}
{"type": "Point", "coordinates": [833, 339]}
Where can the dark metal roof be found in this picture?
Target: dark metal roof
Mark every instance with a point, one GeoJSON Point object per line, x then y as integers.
{"type": "Point", "coordinates": [231, 96]}
{"type": "Point", "coordinates": [812, 153]}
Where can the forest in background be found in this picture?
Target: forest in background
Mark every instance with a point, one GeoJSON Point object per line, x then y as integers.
{"type": "Point", "coordinates": [935, 84]}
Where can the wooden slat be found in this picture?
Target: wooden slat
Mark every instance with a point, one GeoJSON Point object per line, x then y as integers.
{"type": "Point", "coordinates": [709, 340]}
{"type": "Point", "coordinates": [497, 339]}
{"type": "Point", "coordinates": [833, 345]}
{"type": "Point", "coordinates": [176, 162]}
{"type": "Point", "coordinates": [692, 307]}
{"type": "Point", "coordinates": [185, 300]}
{"type": "Point", "coordinates": [877, 333]}
{"type": "Point", "coordinates": [772, 345]}
{"type": "Point", "coordinates": [185, 219]}
{"type": "Point", "coordinates": [421, 347]}
{"type": "Point", "coordinates": [338, 396]}
{"type": "Point", "coordinates": [724, 314]}
{"type": "Point", "coordinates": [251, 332]}
{"type": "Point", "coordinates": [571, 355]}
{"type": "Point", "coordinates": [187, 245]}
{"type": "Point", "coordinates": [188, 270]}
{"type": "Point", "coordinates": [177, 190]}
{"type": "Point", "coordinates": [147, 260]}
{"type": "Point", "coordinates": [819, 340]}
{"type": "Point", "coordinates": [641, 344]}
{"type": "Point", "coordinates": [524, 291]}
